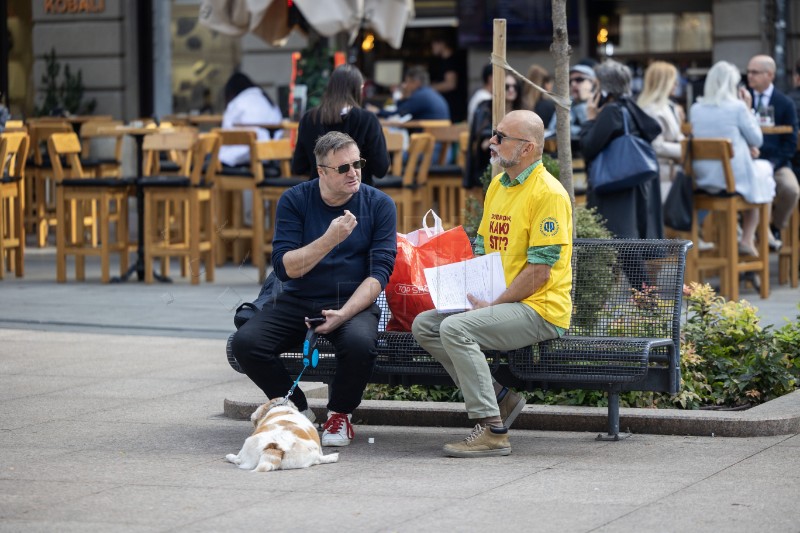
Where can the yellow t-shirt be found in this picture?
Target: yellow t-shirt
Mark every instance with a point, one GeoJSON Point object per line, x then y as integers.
{"type": "Point", "coordinates": [536, 212]}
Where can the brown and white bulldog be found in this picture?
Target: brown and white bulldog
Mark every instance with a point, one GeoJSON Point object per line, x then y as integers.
{"type": "Point", "coordinates": [283, 438]}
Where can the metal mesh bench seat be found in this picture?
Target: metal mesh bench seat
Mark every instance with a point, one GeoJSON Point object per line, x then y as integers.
{"type": "Point", "coordinates": [624, 333]}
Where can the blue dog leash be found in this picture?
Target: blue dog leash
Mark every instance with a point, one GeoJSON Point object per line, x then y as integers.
{"type": "Point", "coordinates": [309, 345]}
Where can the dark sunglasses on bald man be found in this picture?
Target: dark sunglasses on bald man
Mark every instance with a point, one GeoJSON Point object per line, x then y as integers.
{"type": "Point", "coordinates": [501, 136]}
{"type": "Point", "coordinates": [345, 168]}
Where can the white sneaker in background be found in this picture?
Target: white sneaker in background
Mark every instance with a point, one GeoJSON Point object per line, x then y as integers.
{"type": "Point", "coordinates": [774, 244]}
{"type": "Point", "coordinates": [704, 246]}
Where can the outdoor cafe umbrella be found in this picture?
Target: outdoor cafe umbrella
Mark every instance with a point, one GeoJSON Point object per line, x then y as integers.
{"type": "Point", "coordinates": [268, 19]}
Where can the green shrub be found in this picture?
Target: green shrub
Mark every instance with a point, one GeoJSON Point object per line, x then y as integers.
{"type": "Point", "coordinates": [728, 360]}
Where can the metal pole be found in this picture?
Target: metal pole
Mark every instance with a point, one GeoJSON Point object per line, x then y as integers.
{"type": "Point", "coordinates": [4, 51]}
{"type": "Point", "coordinates": [780, 44]}
{"type": "Point", "coordinates": [162, 59]}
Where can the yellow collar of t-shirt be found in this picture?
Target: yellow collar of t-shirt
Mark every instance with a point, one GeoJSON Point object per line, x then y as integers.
{"type": "Point", "coordinates": [505, 181]}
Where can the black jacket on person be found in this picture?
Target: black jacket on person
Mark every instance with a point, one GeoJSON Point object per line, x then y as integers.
{"type": "Point", "coordinates": [632, 213]}
{"type": "Point", "coordinates": [359, 124]}
{"type": "Point", "coordinates": [779, 149]}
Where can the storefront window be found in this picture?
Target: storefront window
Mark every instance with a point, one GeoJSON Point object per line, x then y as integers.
{"type": "Point", "coordinates": [202, 61]}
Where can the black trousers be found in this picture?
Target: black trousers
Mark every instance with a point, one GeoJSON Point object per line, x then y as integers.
{"type": "Point", "coordinates": [280, 327]}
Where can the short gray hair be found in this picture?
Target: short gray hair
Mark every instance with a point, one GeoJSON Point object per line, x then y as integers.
{"type": "Point", "coordinates": [333, 141]}
{"type": "Point", "coordinates": [614, 78]}
{"type": "Point", "coordinates": [420, 74]}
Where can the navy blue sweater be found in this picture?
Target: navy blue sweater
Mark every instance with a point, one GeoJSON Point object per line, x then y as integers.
{"type": "Point", "coordinates": [302, 217]}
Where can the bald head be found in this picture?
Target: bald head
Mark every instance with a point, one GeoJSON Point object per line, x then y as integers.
{"type": "Point", "coordinates": [760, 72]}
{"type": "Point", "coordinates": [528, 125]}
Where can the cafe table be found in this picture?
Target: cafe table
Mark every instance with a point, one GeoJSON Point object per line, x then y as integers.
{"type": "Point", "coordinates": [775, 130]}
{"type": "Point", "coordinates": [138, 133]}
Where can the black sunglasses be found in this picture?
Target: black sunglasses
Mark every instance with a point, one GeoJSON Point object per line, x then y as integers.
{"type": "Point", "coordinates": [345, 168]}
{"type": "Point", "coordinates": [511, 86]}
{"type": "Point", "coordinates": [577, 79]}
{"type": "Point", "coordinates": [501, 136]}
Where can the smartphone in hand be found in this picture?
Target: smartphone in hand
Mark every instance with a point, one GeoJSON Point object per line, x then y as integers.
{"type": "Point", "coordinates": [315, 320]}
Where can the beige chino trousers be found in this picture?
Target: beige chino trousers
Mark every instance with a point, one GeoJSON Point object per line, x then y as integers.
{"type": "Point", "coordinates": [456, 340]}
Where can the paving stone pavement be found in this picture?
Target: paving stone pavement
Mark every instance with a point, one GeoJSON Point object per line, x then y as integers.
{"type": "Point", "coordinates": [111, 419]}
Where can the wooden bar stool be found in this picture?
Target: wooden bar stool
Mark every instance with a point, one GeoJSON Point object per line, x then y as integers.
{"type": "Point", "coordinates": [726, 207]}
{"type": "Point", "coordinates": [101, 202]}
{"type": "Point", "coordinates": [13, 151]}
{"type": "Point", "coordinates": [40, 208]}
{"type": "Point", "coordinates": [445, 180]}
{"type": "Point", "coordinates": [789, 254]}
{"type": "Point", "coordinates": [192, 192]}
{"type": "Point", "coordinates": [409, 191]}
{"type": "Point", "coordinates": [267, 195]}
{"type": "Point", "coordinates": [234, 238]}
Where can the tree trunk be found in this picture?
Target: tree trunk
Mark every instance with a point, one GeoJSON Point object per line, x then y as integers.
{"type": "Point", "coordinates": [561, 51]}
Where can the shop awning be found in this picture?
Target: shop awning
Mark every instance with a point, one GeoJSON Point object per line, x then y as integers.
{"type": "Point", "coordinates": [269, 19]}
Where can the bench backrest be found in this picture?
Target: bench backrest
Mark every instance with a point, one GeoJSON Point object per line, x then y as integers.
{"type": "Point", "coordinates": [624, 288]}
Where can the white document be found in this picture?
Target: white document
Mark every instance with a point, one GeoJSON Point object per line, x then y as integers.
{"type": "Point", "coordinates": [480, 276]}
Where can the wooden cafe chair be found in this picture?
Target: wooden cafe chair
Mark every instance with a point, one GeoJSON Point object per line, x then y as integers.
{"type": "Point", "coordinates": [725, 207]}
{"type": "Point", "coordinates": [13, 151]}
{"type": "Point", "coordinates": [409, 190]}
{"type": "Point", "coordinates": [193, 239]}
{"type": "Point", "coordinates": [40, 208]}
{"type": "Point", "coordinates": [80, 201]}
{"type": "Point", "coordinates": [235, 239]}
{"type": "Point", "coordinates": [445, 180]}
{"type": "Point", "coordinates": [268, 192]}
{"type": "Point", "coordinates": [92, 134]}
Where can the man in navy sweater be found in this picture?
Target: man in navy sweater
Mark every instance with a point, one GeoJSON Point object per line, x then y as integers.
{"type": "Point", "coordinates": [334, 249]}
{"type": "Point", "coordinates": [779, 149]}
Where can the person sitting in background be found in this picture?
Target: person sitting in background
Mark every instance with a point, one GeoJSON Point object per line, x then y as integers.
{"type": "Point", "coordinates": [419, 101]}
{"type": "Point", "coordinates": [482, 94]}
{"type": "Point", "coordinates": [533, 99]}
{"type": "Point", "coordinates": [660, 80]}
{"type": "Point", "coordinates": [340, 110]}
{"type": "Point", "coordinates": [778, 149]}
{"type": "Point", "coordinates": [724, 111]}
{"type": "Point", "coordinates": [246, 103]}
{"type": "Point", "coordinates": [480, 132]}
{"type": "Point", "coordinates": [794, 94]}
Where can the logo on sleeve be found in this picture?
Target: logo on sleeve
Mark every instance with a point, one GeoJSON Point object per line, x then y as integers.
{"type": "Point", "coordinates": [549, 227]}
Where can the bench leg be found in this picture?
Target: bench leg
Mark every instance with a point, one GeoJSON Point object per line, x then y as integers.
{"type": "Point", "coordinates": [613, 418]}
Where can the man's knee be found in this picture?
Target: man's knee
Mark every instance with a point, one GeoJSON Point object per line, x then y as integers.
{"type": "Point", "coordinates": [243, 344]}
{"type": "Point", "coordinates": [422, 326]}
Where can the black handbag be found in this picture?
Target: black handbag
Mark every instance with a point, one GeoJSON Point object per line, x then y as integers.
{"type": "Point", "coordinates": [679, 205]}
{"type": "Point", "coordinates": [626, 162]}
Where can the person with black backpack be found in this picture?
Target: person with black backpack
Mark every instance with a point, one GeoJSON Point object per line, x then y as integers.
{"type": "Point", "coordinates": [333, 252]}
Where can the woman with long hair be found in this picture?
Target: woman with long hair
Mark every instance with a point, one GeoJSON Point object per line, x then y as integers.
{"type": "Point", "coordinates": [660, 80]}
{"type": "Point", "coordinates": [533, 98]}
{"type": "Point", "coordinates": [340, 110]}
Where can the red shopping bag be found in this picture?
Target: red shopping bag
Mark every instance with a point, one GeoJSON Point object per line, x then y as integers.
{"type": "Point", "coordinates": [407, 291]}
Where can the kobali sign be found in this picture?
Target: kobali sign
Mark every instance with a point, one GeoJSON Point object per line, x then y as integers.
{"type": "Point", "coordinates": [59, 7]}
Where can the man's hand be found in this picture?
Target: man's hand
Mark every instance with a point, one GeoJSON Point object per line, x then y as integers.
{"type": "Point", "coordinates": [341, 227]}
{"type": "Point", "coordinates": [477, 303]}
{"type": "Point", "coordinates": [333, 319]}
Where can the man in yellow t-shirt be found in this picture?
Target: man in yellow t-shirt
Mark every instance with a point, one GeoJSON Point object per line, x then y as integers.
{"type": "Point", "coordinates": [527, 218]}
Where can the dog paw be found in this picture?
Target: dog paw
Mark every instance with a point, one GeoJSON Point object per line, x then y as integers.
{"type": "Point", "coordinates": [233, 458]}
